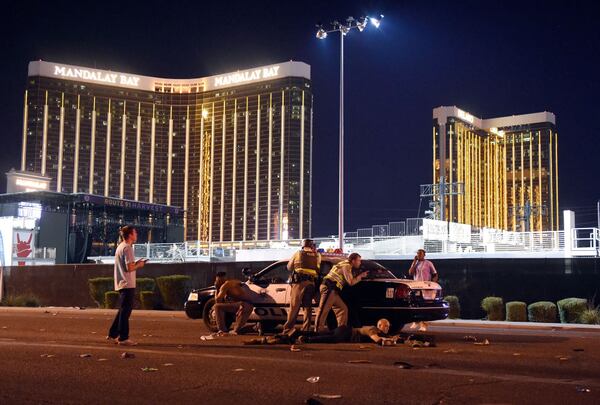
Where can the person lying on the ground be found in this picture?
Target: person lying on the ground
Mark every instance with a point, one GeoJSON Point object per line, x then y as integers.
{"type": "Point", "coordinates": [233, 297]}
{"type": "Point", "coordinates": [344, 334]}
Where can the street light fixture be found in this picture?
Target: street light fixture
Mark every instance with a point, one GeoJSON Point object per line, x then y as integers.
{"type": "Point", "coordinates": [344, 29]}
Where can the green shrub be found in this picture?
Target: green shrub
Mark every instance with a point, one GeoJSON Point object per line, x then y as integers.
{"type": "Point", "coordinates": [454, 304]}
{"type": "Point", "coordinates": [21, 301]}
{"type": "Point", "coordinates": [145, 284]}
{"type": "Point", "coordinates": [542, 311]}
{"type": "Point", "coordinates": [494, 307]}
{"type": "Point", "coordinates": [98, 287]}
{"type": "Point", "coordinates": [111, 299]}
{"type": "Point", "coordinates": [516, 311]}
{"type": "Point", "coordinates": [590, 316]}
{"type": "Point", "coordinates": [173, 290]}
{"type": "Point", "coordinates": [570, 309]}
{"type": "Point", "coordinates": [147, 300]}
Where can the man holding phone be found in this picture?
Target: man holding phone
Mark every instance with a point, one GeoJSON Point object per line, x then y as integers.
{"type": "Point", "coordinates": [125, 271]}
{"type": "Point", "coordinates": [422, 269]}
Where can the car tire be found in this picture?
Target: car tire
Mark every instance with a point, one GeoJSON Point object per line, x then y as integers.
{"type": "Point", "coordinates": [208, 315]}
{"type": "Point", "coordinates": [193, 313]}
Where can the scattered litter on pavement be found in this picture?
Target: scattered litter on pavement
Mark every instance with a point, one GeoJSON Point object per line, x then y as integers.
{"type": "Point", "coordinates": [148, 369]}
{"type": "Point", "coordinates": [93, 333]}
{"type": "Point", "coordinates": [359, 361]}
{"type": "Point", "coordinates": [484, 343]}
{"type": "Point", "coordinates": [307, 355]}
{"type": "Point", "coordinates": [403, 365]}
{"type": "Point", "coordinates": [434, 365]}
{"type": "Point", "coordinates": [470, 338]}
{"type": "Point", "coordinates": [294, 348]}
{"type": "Point", "coordinates": [562, 358]}
{"type": "Point", "coordinates": [127, 355]}
{"type": "Point", "coordinates": [327, 396]}
{"type": "Point", "coordinates": [207, 337]}
{"type": "Point", "coordinates": [46, 312]}
{"type": "Point", "coordinates": [85, 355]}
{"type": "Point", "coordinates": [47, 355]}
{"type": "Point", "coordinates": [237, 370]}
{"type": "Point", "coordinates": [102, 359]}
{"type": "Point", "coordinates": [168, 364]}
{"type": "Point", "coordinates": [180, 347]}
{"type": "Point", "coordinates": [313, 380]}
{"type": "Point", "coordinates": [147, 335]}
{"type": "Point", "coordinates": [583, 389]}
{"type": "Point", "coordinates": [362, 347]}
{"type": "Point", "coordinates": [451, 351]}
{"type": "Point", "coordinates": [5, 327]}
{"type": "Point", "coordinates": [516, 354]}
{"type": "Point", "coordinates": [578, 350]}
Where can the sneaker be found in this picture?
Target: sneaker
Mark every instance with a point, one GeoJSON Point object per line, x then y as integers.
{"type": "Point", "coordinates": [301, 340]}
{"type": "Point", "coordinates": [127, 342]}
{"type": "Point", "coordinates": [112, 340]}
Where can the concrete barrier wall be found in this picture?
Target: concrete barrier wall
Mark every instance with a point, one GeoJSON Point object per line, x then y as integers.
{"type": "Point", "coordinates": [471, 280]}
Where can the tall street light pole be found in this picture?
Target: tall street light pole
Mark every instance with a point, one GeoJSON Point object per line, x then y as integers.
{"type": "Point", "coordinates": [322, 33]}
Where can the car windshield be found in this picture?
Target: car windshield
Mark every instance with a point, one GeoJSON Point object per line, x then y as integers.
{"type": "Point", "coordinates": [376, 270]}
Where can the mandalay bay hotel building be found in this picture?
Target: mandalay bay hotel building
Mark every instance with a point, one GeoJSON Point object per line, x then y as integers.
{"type": "Point", "coordinates": [507, 168]}
{"type": "Point", "coordinates": [233, 150]}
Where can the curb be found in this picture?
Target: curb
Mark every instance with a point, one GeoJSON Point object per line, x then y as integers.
{"type": "Point", "coordinates": [515, 325]}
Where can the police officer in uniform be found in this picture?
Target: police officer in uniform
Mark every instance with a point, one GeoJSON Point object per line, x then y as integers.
{"type": "Point", "coordinates": [341, 275]}
{"type": "Point", "coordinates": [304, 265]}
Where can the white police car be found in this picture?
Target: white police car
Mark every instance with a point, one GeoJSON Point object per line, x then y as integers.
{"type": "Point", "coordinates": [380, 295]}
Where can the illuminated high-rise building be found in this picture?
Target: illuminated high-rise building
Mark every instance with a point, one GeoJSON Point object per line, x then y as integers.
{"type": "Point", "coordinates": [504, 170]}
{"type": "Point", "coordinates": [233, 150]}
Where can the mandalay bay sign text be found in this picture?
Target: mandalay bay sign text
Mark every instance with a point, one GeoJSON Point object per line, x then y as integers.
{"type": "Point", "coordinates": [247, 76]}
{"type": "Point", "coordinates": [96, 76]}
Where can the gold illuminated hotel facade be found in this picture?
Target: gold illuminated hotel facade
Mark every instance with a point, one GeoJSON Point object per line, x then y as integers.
{"type": "Point", "coordinates": [233, 150]}
{"type": "Point", "coordinates": [506, 167]}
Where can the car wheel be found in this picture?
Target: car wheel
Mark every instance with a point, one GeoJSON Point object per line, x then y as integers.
{"type": "Point", "coordinates": [208, 315]}
{"type": "Point", "coordinates": [193, 313]}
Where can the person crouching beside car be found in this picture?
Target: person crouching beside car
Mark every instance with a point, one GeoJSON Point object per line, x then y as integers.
{"type": "Point", "coordinates": [235, 297]}
{"type": "Point", "coordinates": [340, 276]}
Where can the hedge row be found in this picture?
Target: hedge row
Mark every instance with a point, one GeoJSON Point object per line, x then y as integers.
{"type": "Point", "coordinates": [171, 293]}
{"type": "Point", "coordinates": [569, 310]}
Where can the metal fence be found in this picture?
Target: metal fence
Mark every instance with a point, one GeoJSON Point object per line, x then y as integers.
{"type": "Point", "coordinates": [583, 241]}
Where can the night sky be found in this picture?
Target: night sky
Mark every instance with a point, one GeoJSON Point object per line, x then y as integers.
{"type": "Point", "coordinates": [489, 58]}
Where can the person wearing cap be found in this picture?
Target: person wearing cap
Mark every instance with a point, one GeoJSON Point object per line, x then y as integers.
{"type": "Point", "coordinates": [340, 276]}
{"type": "Point", "coordinates": [305, 267]}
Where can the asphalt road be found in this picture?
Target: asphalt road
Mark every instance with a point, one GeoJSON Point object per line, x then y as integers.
{"type": "Point", "coordinates": [40, 362]}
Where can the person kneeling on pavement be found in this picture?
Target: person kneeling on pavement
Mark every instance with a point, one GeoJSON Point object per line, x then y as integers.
{"type": "Point", "coordinates": [233, 296]}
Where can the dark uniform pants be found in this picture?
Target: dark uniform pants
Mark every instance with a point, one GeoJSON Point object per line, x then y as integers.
{"type": "Point", "coordinates": [302, 294]}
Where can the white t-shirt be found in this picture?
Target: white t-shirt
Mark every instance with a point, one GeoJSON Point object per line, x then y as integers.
{"type": "Point", "coordinates": [123, 256]}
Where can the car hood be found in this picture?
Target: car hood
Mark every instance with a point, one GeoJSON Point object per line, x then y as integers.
{"type": "Point", "coordinates": [413, 284]}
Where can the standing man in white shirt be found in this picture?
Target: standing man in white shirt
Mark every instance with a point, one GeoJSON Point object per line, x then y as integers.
{"type": "Point", "coordinates": [422, 269]}
{"type": "Point", "coordinates": [125, 271]}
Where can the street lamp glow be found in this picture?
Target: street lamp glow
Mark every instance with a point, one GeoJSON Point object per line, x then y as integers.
{"type": "Point", "coordinates": [321, 33]}
{"type": "Point", "coordinates": [376, 21]}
